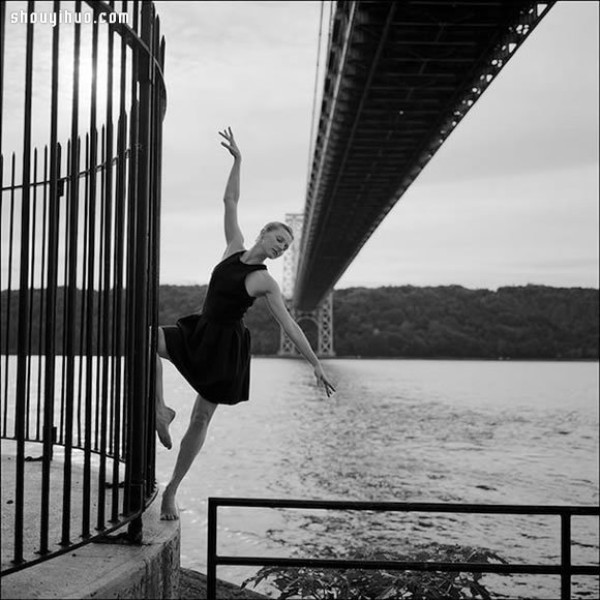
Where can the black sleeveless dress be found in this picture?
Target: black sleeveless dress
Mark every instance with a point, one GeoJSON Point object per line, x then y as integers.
{"type": "Point", "coordinates": [212, 349]}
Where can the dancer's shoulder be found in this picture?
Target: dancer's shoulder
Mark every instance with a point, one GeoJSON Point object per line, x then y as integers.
{"type": "Point", "coordinates": [260, 282]}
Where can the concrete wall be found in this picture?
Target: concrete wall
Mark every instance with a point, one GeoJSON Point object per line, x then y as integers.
{"type": "Point", "coordinates": [106, 570]}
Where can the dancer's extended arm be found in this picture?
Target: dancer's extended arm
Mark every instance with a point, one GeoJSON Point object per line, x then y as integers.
{"type": "Point", "coordinates": [233, 234]}
{"type": "Point", "coordinates": [278, 309]}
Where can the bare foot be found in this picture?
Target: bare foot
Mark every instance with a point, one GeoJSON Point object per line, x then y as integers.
{"type": "Point", "coordinates": [168, 507]}
{"type": "Point", "coordinates": [163, 420]}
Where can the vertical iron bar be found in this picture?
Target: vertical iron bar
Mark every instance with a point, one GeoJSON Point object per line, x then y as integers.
{"type": "Point", "coordinates": [42, 289]}
{"type": "Point", "coordinates": [107, 200]}
{"type": "Point", "coordinates": [130, 300]}
{"type": "Point", "coordinates": [101, 317]}
{"type": "Point", "coordinates": [83, 355]}
{"type": "Point", "coordinates": [83, 364]}
{"type": "Point", "coordinates": [100, 314]}
{"type": "Point", "coordinates": [3, 326]}
{"type": "Point", "coordinates": [211, 554]}
{"type": "Point", "coordinates": [565, 555]}
{"type": "Point", "coordinates": [71, 274]}
{"type": "Point", "coordinates": [112, 256]}
{"type": "Point", "coordinates": [118, 278]}
{"type": "Point", "coordinates": [137, 445]}
{"type": "Point", "coordinates": [136, 19]}
{"type": "Point", "coordinates": [31, 297]}
{"type": "Point", "coordinates": [52, 283]}
{"type": "Point", "coordinates": [91, 356]}
{"type": "Point", "coordinates": [64, 296]}
{"type": "Point", "coordinates": [23, 325]}
{"type": "Point", "coordinates": [2, 38]}
{"type": "Point", "coordinates": [9, 320]}
{"type": "Point", "coordinates": [155, 243]}
{"type": "Point", "coordinates": [82, 295]}
{"type": "Point", "coordinates": [149, 295]}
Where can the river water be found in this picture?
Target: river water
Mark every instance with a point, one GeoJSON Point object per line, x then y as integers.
{"type": "Point", "coordinates": [398, 430]}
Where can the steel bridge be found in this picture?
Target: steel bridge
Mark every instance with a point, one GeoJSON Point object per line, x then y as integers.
{"type": "Point", "coordinates": [400, 76]}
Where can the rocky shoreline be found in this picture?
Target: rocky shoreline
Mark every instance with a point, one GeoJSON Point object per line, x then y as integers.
{"type": "Point", "coordinates": [192, 586]}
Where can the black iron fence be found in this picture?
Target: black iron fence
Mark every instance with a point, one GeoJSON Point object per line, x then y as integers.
{"type": "Point", "coordinates": [565, 569]}
{"type": "Point", "coordinates": [82, 100]}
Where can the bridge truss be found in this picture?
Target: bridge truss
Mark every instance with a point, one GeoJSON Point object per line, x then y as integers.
{"type": "Point", "coordinates": [321, 316]}
{"type": "Point", "coordinates": [400, 78]}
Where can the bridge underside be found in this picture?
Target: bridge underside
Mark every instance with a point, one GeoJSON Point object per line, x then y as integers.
{"type": "Point", "coordinates": [400, 77]}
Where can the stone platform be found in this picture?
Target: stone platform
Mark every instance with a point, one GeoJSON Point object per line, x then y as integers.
{"type": "Point", "coordinates": [149, 570]}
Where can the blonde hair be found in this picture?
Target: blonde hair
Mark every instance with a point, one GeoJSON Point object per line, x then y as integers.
{"type": "Point", "coordinates": [276, 225]}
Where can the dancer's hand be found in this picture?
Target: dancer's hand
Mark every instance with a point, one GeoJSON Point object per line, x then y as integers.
{"type": "Point", "coordinates": [322, 378]}
{"type": "Point", "coordinates": [230, 143]}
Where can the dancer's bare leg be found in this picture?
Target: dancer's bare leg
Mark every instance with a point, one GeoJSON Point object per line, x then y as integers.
{"type": "Point", "coordinates": [191, 443]}
{"type": "Point", "coordinates": [164, 414]}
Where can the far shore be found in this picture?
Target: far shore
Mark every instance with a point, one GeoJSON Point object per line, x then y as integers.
{"type": "Point", "coordinates": [359, 357]}
{"type": "Point", "coordinates": [471, 358]}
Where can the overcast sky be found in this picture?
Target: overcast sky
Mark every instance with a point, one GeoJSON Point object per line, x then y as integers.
{"type": "Point", "coordinates": [511, 198]}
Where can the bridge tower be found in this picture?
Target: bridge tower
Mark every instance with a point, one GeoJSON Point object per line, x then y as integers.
{"type": "Point", "coordinates": [322, 316]}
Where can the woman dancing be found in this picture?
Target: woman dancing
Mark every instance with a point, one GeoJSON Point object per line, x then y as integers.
{"type": "Point", "coordinates": [212, 349]}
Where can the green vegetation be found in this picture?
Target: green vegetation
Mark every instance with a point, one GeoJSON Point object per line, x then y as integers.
{"type": "Point", "coordinates": [530, 322]}
{"type": "Point", "coordinates": [379, 584]}
{"type": "Point", "coordinates": [428, 322]}
{"type": "Point", "coordinates": [513, 322]}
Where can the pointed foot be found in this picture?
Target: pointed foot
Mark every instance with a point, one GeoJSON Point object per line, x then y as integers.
{"type": "Point", "coordinates": [163, 420]}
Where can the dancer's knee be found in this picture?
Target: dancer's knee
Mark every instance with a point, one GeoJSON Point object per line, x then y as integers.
{"type": "Point", "coordinates": [200, 420]}
{"type": "Point", "coordinates": [202, 412]}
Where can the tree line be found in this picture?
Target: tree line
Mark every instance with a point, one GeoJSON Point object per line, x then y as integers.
{"type": "Point", "coordinates": [518, 322]}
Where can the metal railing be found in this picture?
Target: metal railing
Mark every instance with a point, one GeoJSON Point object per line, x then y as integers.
{"type": "Point", "coordinates": [79, 269]}
{"type": "Point", "coordinates": [565, 569]}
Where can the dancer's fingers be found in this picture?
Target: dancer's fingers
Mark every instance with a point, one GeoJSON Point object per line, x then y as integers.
{"type": "Point", "coordinates": [329, 389]}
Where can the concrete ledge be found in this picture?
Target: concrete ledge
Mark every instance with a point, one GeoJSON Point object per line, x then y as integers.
{"type": "Point", "coordinates": [151, 570]}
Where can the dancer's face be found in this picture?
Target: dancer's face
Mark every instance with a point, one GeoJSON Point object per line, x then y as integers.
{"type": "Point", "coordinates": [275, 242]}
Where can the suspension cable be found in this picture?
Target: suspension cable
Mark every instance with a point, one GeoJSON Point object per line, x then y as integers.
{"type": "Point", "coordinates": [314, 105]}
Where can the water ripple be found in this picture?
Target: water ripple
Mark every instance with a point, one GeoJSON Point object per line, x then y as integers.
{"type": "Point", "coordinates": [431, 431]}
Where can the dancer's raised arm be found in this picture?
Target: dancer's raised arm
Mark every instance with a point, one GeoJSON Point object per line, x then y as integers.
{"type": "Point", "coordinates": [233, 233]}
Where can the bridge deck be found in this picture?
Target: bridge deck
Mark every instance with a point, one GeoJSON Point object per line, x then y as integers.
{"type": "Point", "coordinates": [400, 77]}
